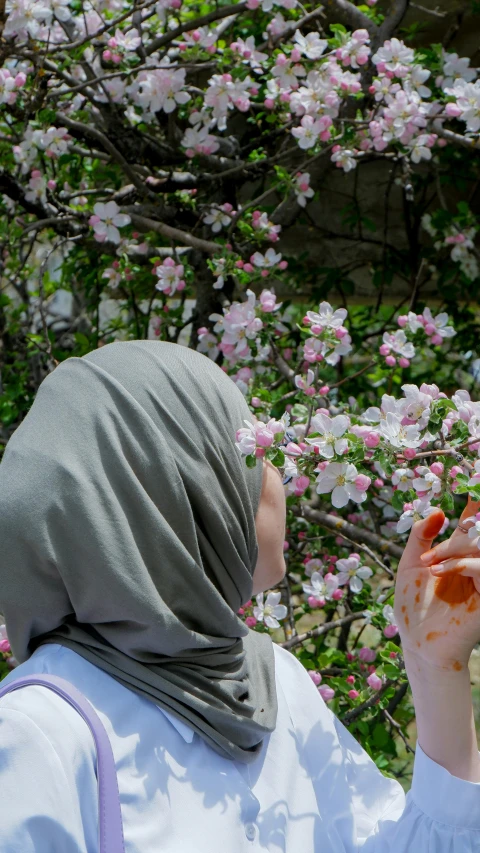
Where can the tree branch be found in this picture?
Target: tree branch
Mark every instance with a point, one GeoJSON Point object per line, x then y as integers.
{"type": "Point", "coordinates": [86, 131]}
{"type": "Point", "coordinates": [455, 138]}
{"type": "Point", "coordinates": [343, 12]}
{"type": "Point", "coordinates": [15, 191]}
{"type": "Point", "coordinates": [322, 629]}
{"type": "Point", "coordinates": [358, 711]}
{"type": "Point", "coordinates": [339, 525]}
{"type": "Point", "coordinates": [171, 35]}
{"type": "Point", "coordinates": [145, 224]}
{"type": "Point", "coordinates": [393, 19]}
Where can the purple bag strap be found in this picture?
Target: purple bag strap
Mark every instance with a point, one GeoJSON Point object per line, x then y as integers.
{"type": "Point", "coordinates": [110, 828]}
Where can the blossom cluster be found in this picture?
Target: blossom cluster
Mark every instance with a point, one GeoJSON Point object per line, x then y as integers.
{"type": "Point", "coordinates": [403, 452]}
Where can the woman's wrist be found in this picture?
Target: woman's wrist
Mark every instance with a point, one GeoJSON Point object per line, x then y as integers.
{"type": "Point", "coordinates": [444, 714]}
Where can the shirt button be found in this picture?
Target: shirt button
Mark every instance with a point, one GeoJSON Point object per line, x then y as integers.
{"type": "Point", "coordinates": [250, 831]}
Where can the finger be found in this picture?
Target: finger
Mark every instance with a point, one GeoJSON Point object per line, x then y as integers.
{"type": "Point", "coordinates": [469, 567]}
{"type": "Point", "coordinates": [471, 508]}
{"type": "Point", "coordinates": [421, 537]}
{"type": "Point", "coordinates": [459, 544]}
{"type": "Point", "coordinates": [455, 547]}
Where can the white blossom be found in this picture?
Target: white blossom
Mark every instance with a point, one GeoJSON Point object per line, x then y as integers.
{"type": "Point", "coordinates": [270, 611]}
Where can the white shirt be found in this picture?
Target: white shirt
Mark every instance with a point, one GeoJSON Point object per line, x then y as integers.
{"type": "Point", "coordinates": [312, 789]}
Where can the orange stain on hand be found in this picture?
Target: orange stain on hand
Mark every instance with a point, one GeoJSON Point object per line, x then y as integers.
{"type": "Point", "coordinates": [454, 589]}
{"type": "Point", "coordinates": [418, 582]}
{"type": "Point", "coordinates": [434, 635]}
{"type": "Point", "coordinates": [405, 590]}
{"type": "Point", "coordinates": [407, 621]}
{"type": "Point", "coordinates": [433, 524]}
{"type": "Point", "coordinates": [457, 665]}
{"type": "Point", "coordinates": [473, 605]}
{"type": "Point", "coordinates": [417, 598]}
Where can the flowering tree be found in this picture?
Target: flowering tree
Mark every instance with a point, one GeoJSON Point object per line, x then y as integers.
{"type": "Point", "coordinates": [154, 157]}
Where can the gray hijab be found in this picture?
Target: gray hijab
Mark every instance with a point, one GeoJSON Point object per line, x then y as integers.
{"type": "Point", "coordinates": [127, 534]}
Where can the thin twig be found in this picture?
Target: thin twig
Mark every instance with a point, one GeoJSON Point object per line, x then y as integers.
{"type": "Point", "coordinates": [322, 629]}
{"type": "Point", "coordinates": [369, 703]}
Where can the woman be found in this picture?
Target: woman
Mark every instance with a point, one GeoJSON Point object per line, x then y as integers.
{"type": "Point", "coordinates": [132, 531]}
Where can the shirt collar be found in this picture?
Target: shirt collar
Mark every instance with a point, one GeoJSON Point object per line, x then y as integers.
{"type": "Point", "coordinates": [185, 731]}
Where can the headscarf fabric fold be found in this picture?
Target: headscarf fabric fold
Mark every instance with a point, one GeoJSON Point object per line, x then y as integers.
{"type": "Point", "coordinates": [127, 533]}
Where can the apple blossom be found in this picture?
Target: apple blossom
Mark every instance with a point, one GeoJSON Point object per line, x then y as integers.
{"type": "Point", "coordinates": [271, 610]}
{"type": "Point", "coordinates": [106, 221]}
{"type": "Point", "coordinates": [339, 479]}
{"type": "Point", "coordinates": [321, 588]}
{"type": "Point", "coordinates": [351, 572]}
{"type": "Point", "coordinates": [330, 441]}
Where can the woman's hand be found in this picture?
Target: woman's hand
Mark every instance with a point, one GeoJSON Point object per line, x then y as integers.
{"type": "Point", "coordinates": [437, 605]}
{"type": "Point", "coordinates": [438, 615]}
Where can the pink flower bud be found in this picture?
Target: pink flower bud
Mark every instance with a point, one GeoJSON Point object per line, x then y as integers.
{"type": "Point", "coordinates": [316, 329]}
{"type": "Point", "coordinates": [259, 452]}
{"type": "Point", "coordinates": [250, 621]}
{"type": "Point", "coordinates": [324, 390]}
{"type": "Point", "coordinates": [269, 103]}
{"type": "Point", "coordinates": [403, 362]}
{"type": "Point", "coordinates": [362, 482]}
{"type": "Point", "coordinates": [337, 594]}
{"type": "Point", "coordinates": [390, 360]}
{"type": "Point", "coordinates": [430, 329]}
{"type": "Point", "coordinates": [350, 679]}
{"type": "Point", "coordinates": [293, 449]}
{"type": "Point", "coordinates": [264, 437]}
{"type": "Point", "coordinates": [453, 110]}
{"type": "Point", "coordinates": [436, 340]}
{"type": "Point", "coordinates": [384, 349]}
{"type": "Point", "coordinates": [248, 268]}
{"type": "Point", "coordinates": [312, 601]}
{"type": "Point", "coordinates": [353, 694]}
{"type": "Point", "coordinates": [367, 655]}
{"type": "Point", "coordinates": [372, 439]}
{"type": "Point", "coordinates": [315, 676]}
{"type": "Point", "coordinates": [409, 452]}
{"type": "Point", "coordinates": [107, 55]}
{"type": "Point", "coordinates": [390, 631]}
{"type": "Point", "coordinates": [455, 470]}
{"type": "Point", "coordinates": [241, 612]}
{"type": "Point", "coordinates": [283, 265]}
{"type": "Point", "coordinates": [437, 468]}
{"type": "Point", "coordinates": [341, 332]}
{"type": "Point", "coordinates": [402, 321]}
{"type": "Point", "coordinates": [378, 483]}
{"type": "Point", "coordinates": [327, 693]}
{"type": "Point", "coordinates": [374, 681]}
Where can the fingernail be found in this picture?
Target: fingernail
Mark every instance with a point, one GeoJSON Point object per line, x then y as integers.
{"type": "Point", "coordinates": [428, 556]}
{"type": "Point", "coordinates": [438, 569]}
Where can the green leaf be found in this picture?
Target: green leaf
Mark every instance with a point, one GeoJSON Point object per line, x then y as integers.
{"type": "Point", "coordinates": [251, 461]}
{"type": "Point", "coordinates": [278, 458]}
{"type": "Point", "coordinates": [380, 736]}
{"type": "Point", "coordinates": [398, 500]}
{"type": "Point", "coordinates": [447, 502]}
{"type": "Point", "coordinates": [390, 670]}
